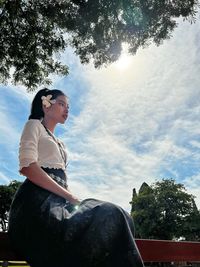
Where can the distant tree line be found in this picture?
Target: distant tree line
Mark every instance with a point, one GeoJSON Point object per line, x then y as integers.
{"type": "Point", "coordinates": [6, 195]}
{"type": "Point", "coordinates": [164, 210]}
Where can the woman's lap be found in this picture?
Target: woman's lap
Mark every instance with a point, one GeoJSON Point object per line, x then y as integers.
{"type": "Point", "coordinates": [96, 233]}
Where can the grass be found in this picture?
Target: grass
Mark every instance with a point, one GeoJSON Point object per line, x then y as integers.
{"type": "Point", "coordinates": [16, 264]}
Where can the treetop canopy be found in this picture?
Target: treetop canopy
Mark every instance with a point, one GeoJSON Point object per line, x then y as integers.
{"type": "Point", "coordinates": [33, 32]}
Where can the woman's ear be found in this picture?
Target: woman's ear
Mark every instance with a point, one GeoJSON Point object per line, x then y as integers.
{"type": "Point", "coordinates": [45, 109]}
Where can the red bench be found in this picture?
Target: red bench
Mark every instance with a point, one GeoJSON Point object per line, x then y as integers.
{"type": "Point", "coordinates": [150, 250]}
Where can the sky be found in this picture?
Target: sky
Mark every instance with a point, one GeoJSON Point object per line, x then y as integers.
{"type": "Point", "coordinates": [138, 120]}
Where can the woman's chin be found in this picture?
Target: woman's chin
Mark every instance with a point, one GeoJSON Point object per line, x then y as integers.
{"type": "Point", "coordinates": [63, 121]}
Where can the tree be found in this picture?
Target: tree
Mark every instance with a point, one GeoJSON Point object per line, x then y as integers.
{"type": "Point", "coordinates": [165, 211]}
{"type": "Point", "coordinates": [144, 212]}
{"type": "Point", "coordinates": [6, 195]}
{"type": "Point", "coordinates": [33, 32]}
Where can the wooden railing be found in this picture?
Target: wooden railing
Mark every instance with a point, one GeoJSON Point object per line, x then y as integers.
{"type": "Point", "coordinates": [168, 251]}
{"type": "Point", "coordinates": [150, 250]}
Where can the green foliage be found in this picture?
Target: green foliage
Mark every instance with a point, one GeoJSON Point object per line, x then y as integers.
{"type": "Point", "coordinates": [165, 211]}
{"type": "Point", "coordinates": [144, 212]}
{"type": "Point", "coordinates": [33, 32]}
{"type": "Point", "coordinates": [6, 195]}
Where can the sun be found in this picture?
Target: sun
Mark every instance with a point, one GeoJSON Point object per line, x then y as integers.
{"type": "Point", "coordinates": [123, 62]}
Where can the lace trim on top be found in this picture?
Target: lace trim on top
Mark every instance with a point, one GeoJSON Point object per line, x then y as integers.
{"type": "Point", "coordinates": [52, 166]}
{"type": "Point", "coordinates": [27, 162]}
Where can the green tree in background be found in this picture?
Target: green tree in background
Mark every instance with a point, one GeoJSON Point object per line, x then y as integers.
{"type": "Point", "coordinates": [6, 195]}
{"type": "Point", "coordinates": [165, 210]}
{"type": "Point", "coordinates": [33, 32]}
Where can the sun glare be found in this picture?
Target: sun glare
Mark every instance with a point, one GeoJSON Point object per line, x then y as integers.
{"type": "Point", "coordinates": [123, 62]}
{"type": "Point", "coordinates": [125, 59]}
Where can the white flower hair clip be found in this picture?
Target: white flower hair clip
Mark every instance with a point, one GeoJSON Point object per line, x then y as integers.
{"type": "Point", "coordinates": [47, 102]}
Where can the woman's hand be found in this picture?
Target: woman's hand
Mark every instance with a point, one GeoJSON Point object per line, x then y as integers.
{"type": "Point", "coordinates": [74, 200]}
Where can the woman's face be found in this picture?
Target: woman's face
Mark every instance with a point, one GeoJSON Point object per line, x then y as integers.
{"type": "Point", "coordinates": [58, 112]}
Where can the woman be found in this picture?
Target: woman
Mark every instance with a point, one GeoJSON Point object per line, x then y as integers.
{"type": "Point", "coordinates": [44, 224]}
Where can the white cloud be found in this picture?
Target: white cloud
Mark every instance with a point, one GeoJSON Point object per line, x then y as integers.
{"type": "Point", "coordinates": [195, 144]}
{"type": "Point", "coordinates": [8, 134]}
{"type": "Point", "coordinates": [192, 185]}
{"type": "Point", "coordinates": [136, 122]}
{"type": "Point", "coordinates": [133, 123]}
{"type": "Point", "coordinates": [12, 98]}
{"type": "Point", "coordinates": [4, 179]}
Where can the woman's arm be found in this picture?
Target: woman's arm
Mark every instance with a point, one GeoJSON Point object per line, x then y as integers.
{"type": "Point", "coordinates": [39, 177]}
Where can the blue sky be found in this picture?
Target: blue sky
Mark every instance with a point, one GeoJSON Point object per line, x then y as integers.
{"type": "Point", "coordinates": [134, 121]}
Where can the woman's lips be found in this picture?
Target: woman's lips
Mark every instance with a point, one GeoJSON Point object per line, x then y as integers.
{"type": "Point", "coordinates": [65, 116]}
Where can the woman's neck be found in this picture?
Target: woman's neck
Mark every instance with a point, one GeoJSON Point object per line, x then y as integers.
{"type": "Point", "coordinates": [49, 124]}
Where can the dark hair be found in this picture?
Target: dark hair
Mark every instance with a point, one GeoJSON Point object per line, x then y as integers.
{"type": "Point", "coordinates": [36, 107]}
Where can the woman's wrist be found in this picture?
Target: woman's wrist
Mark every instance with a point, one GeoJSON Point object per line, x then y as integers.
{"type": "Point", "coordinates": [73, 200]}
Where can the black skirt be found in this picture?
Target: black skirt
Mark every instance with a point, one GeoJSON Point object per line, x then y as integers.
{"type": "Point", "coordinates": [50, 232]}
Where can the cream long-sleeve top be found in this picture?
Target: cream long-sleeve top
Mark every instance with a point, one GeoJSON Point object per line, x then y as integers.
{"type": "Point", "coordinates": [36, 145]}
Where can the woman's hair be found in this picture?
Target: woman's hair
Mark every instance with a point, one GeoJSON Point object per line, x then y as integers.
{"type": "Point", "coordinates": [36, 107]}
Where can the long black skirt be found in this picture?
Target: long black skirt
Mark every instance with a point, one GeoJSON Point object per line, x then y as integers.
{"type": "Point", "coordinates": [49, 232]}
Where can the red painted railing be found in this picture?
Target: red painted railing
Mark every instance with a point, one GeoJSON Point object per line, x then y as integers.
{"type": "Point", "coordinates": [168, 251]}
{"type": "Point", "coordinates": [150, 250]}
